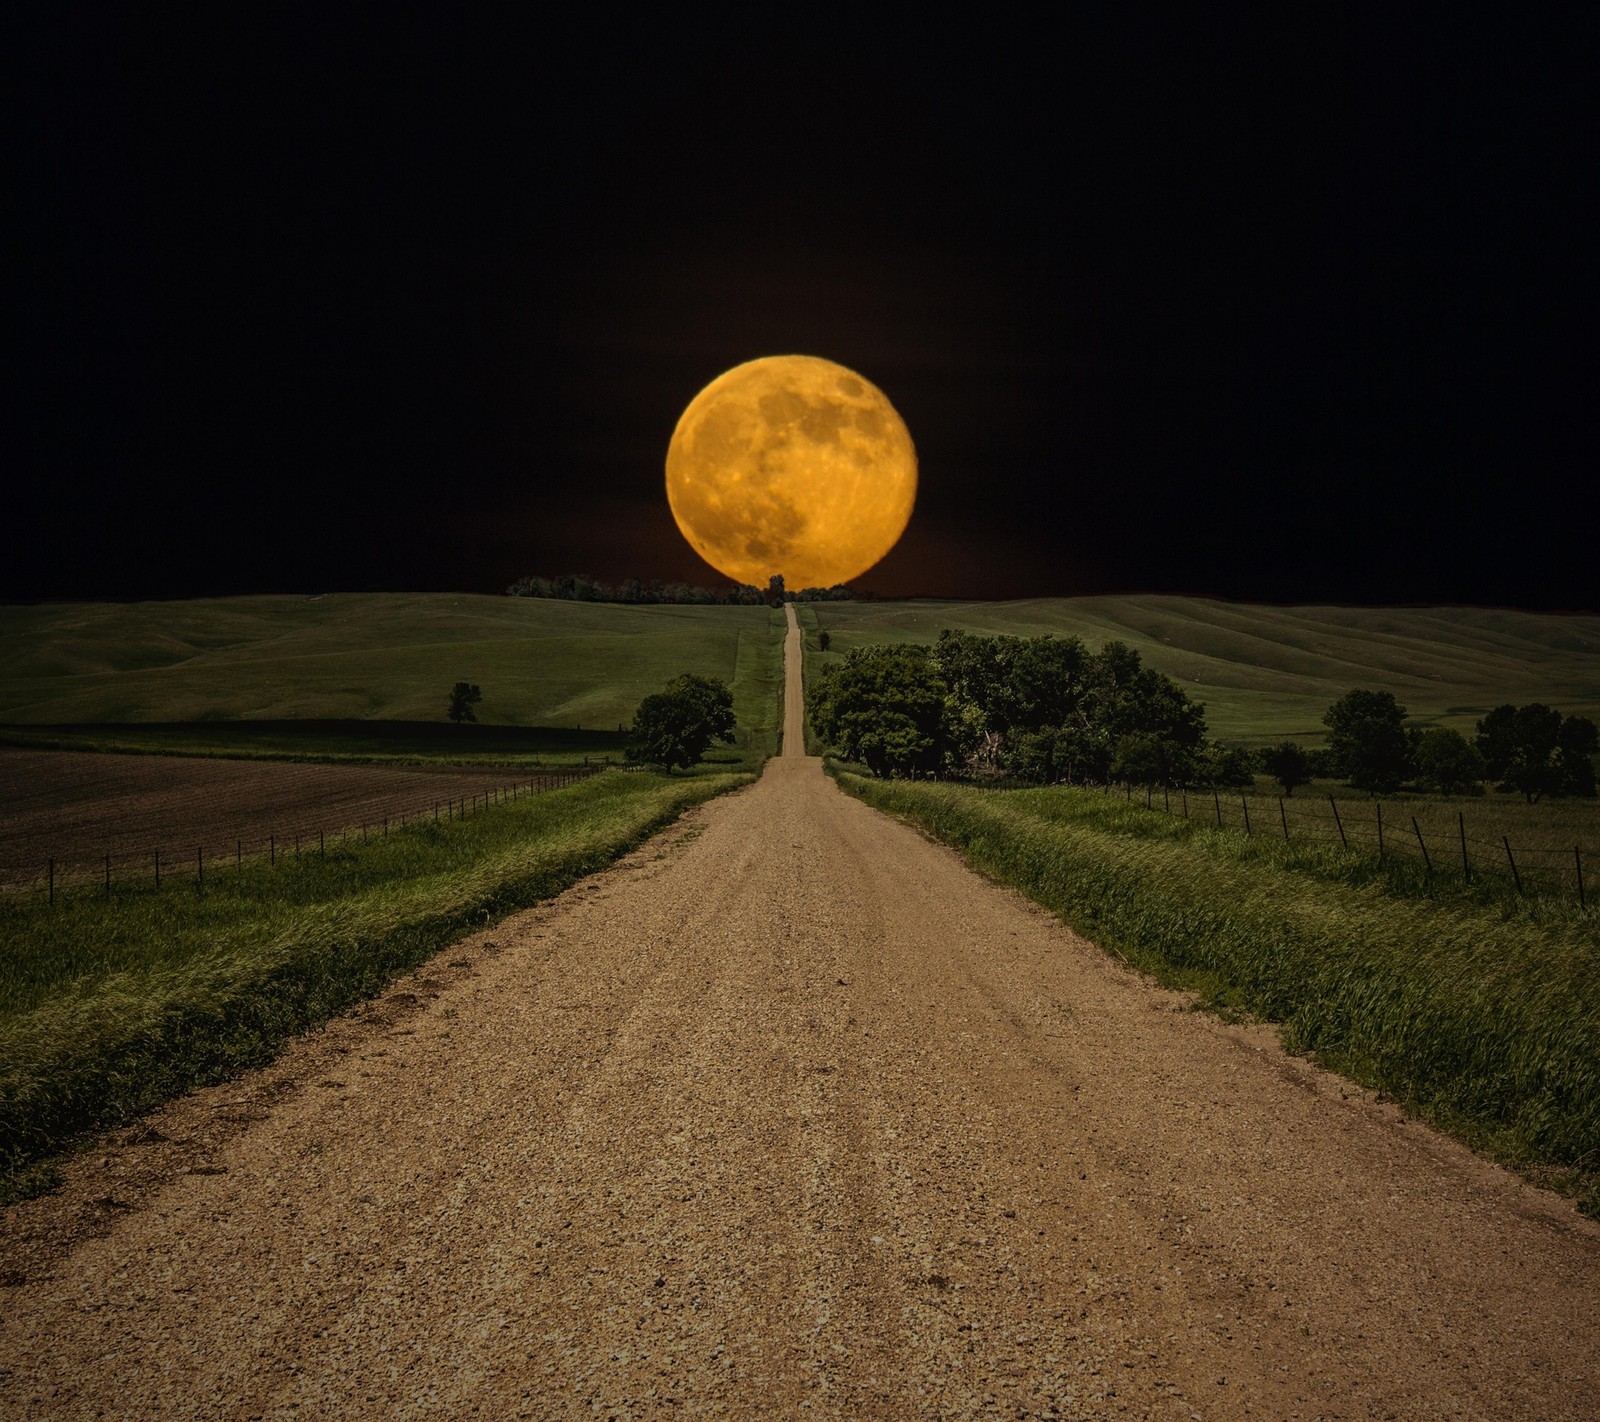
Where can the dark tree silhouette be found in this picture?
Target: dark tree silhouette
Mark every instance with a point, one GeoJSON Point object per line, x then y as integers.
{"type": "Point", "coordinates": [463, 697]}
{"type": "Point", "coordinates": [675, 727]}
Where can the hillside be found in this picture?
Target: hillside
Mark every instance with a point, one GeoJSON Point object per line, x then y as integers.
{"type": "Point", "coordinates": [1269, 672]}
{"type": "Point", "coordinates": [377, 656]}
{"type": "Point", "coordinates": [1262, 672]}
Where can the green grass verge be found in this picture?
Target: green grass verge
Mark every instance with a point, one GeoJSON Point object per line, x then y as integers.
{"type": "Point", "coordinates": [1485, 1021]}
{"type": "Point", "coordinates": [1267, 673]}
{"type": "Point", "coordinates": [109, 1006]}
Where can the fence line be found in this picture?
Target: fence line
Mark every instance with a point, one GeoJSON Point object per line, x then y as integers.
{"type": "Point", "coordinates": [1529, 868]}
{"type": "Point", "coordinates": [153, 866]}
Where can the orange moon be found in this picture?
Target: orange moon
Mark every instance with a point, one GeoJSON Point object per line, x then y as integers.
{"type": "Point", "coordinates": [792, 465]}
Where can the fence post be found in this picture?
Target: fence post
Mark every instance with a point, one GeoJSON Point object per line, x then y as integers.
{"type": "Point", "coordinates": [1246, 805]}
{"type": "Point", "coordinates": [1422, 845]}
{"type": "Point", "coordinates": [238, 855]}
{"type": "Point", "coordinates": [1149, 797]}
{"type": "Point", "coordinates": [1185, 795]}
{"type": "Point", "coordinates": [1283, 815]}
{"type": "Point", "coordinates": [1166, 800]}
{"type": "Point", "coordinates": [1577, 861]}
{"type": "Point", "coordinates": [1461, 828]}
{"type": "Point", "coordinates": [1334, 804]}
{"type": "Point", "coordinates": [1216, 800]}
{"type": "Point", "coordinates": [1379, 804]}
{"type": "Point", "coordinates": [1515, 876]}
{"type": "Point", "coordinates": [52, 881]}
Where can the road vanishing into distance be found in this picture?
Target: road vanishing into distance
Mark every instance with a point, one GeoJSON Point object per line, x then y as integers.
{"type": "Point", "coordinates": [790, 1114]}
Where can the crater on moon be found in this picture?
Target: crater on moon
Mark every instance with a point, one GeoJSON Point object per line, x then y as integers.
{"type": "Point", "coordinates": [791, 465]}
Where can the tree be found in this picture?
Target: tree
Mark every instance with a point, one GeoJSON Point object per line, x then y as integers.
{"type": "Point", "coordinates": [822, 641]}
{"type": "Point", "coordinates": [888, 707]}
{"type": "Point", "coordinates": [1533, 749]}
{"type": "Point", "coordinates": [775, 594]}
{"type": "Point", "coordinates": [1226, 767]}
{"type": "Point", "coordinates": [1288, 764]}
{"type": "Point", "coordinates": [1447, 761]}
{"type": "Point", "coordinates": [1576, 744]}
{"type": "Point", "coordinates": [463, 697]}
{"type": "Point", "coordinates": [1146, 759]}
{"type": "Point", "coordinates": [1367, 740]}
{"type": "Point", "coordinates": [675, 727]}
{"type": "Point", "coordinates": [1061, 712]}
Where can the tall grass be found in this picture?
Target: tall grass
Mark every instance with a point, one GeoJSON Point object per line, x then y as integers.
{"type": "Point", "coordinates": [111, 1005]}
{"type": "Point", "coordinates": [1486, 1022]}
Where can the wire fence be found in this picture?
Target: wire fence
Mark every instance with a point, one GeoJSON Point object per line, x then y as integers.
{"type": "Point", "coordinates": [165, 865]}
{"type": "Point", "coordinates": [1460, 851]}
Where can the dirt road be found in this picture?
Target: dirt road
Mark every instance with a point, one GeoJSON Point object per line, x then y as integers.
{"type": "Point", "coordinates": [790, 1114]}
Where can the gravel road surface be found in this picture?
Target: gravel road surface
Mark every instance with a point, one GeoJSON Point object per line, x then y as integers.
{"type": "Point", "coordinates": [790, 1114]}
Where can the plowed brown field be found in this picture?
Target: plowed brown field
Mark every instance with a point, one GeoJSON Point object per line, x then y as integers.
{"type": "Point", "coordinates": [790, 1114]}
{"type": "Point", "coordinates": [78, 808]}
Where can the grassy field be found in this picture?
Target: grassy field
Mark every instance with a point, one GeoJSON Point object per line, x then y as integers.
{"type": "Point", "coordinates": [1483, 1018]}
{"type": "Point", "coordinates": [1267, 673]}
{"type": "Point", "coordinates": [231, 675]}
{"type": "Point", "coordinates": [110, 1005]}
{"type": "Point", "coordinates": [1425, 830]}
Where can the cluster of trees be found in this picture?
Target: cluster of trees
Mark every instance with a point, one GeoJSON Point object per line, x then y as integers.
{"type": "Point", "coordinates": [580, 587]}
{"type": "Point", "coordinates": [1047, 708]}
{"type": "Point", "coordinates": [1050, 709]}
{"type": "Point", "coordinates": [1532, 750]}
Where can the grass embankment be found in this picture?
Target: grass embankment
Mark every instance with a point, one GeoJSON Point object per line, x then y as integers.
{"type": "Point", "coordinates": [1485, 1019]}
{"type": "Point", "coordinates": [111, 1005]}
{"type": "Point", "coordinates": [1268, 673]}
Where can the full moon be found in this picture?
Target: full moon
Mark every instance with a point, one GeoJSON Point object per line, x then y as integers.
{"type": "Point", "coordinates": [791, 465]}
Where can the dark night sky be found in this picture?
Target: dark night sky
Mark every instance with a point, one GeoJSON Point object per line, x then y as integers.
{"type": "Point", "coordinates": [1298, 304]}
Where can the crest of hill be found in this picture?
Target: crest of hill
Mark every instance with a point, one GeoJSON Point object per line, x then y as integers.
{"type": "Point", "coordinates": [1264, 672]}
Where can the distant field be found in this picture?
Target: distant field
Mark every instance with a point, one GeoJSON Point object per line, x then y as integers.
{"type": "Point", "coordinates": [98, 816]}
{"type": "Point", "coordinates": [1266, 673]}
{"type": "Point", "coordinates": [379, 657]}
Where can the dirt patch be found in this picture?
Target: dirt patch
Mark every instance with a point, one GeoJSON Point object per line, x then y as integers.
{"type": "Point", "coordinates": [79, 808]}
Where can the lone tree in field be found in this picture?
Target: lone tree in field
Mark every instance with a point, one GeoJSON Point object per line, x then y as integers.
{"type": "Point", "coordinates": [1367, 740]}
{"type": "Point", "coordinates": [675, 727]}
{"type": "Point", "coordinates": [463, 697]}
{"type": "Point", "coordinates": [1288, 764]}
